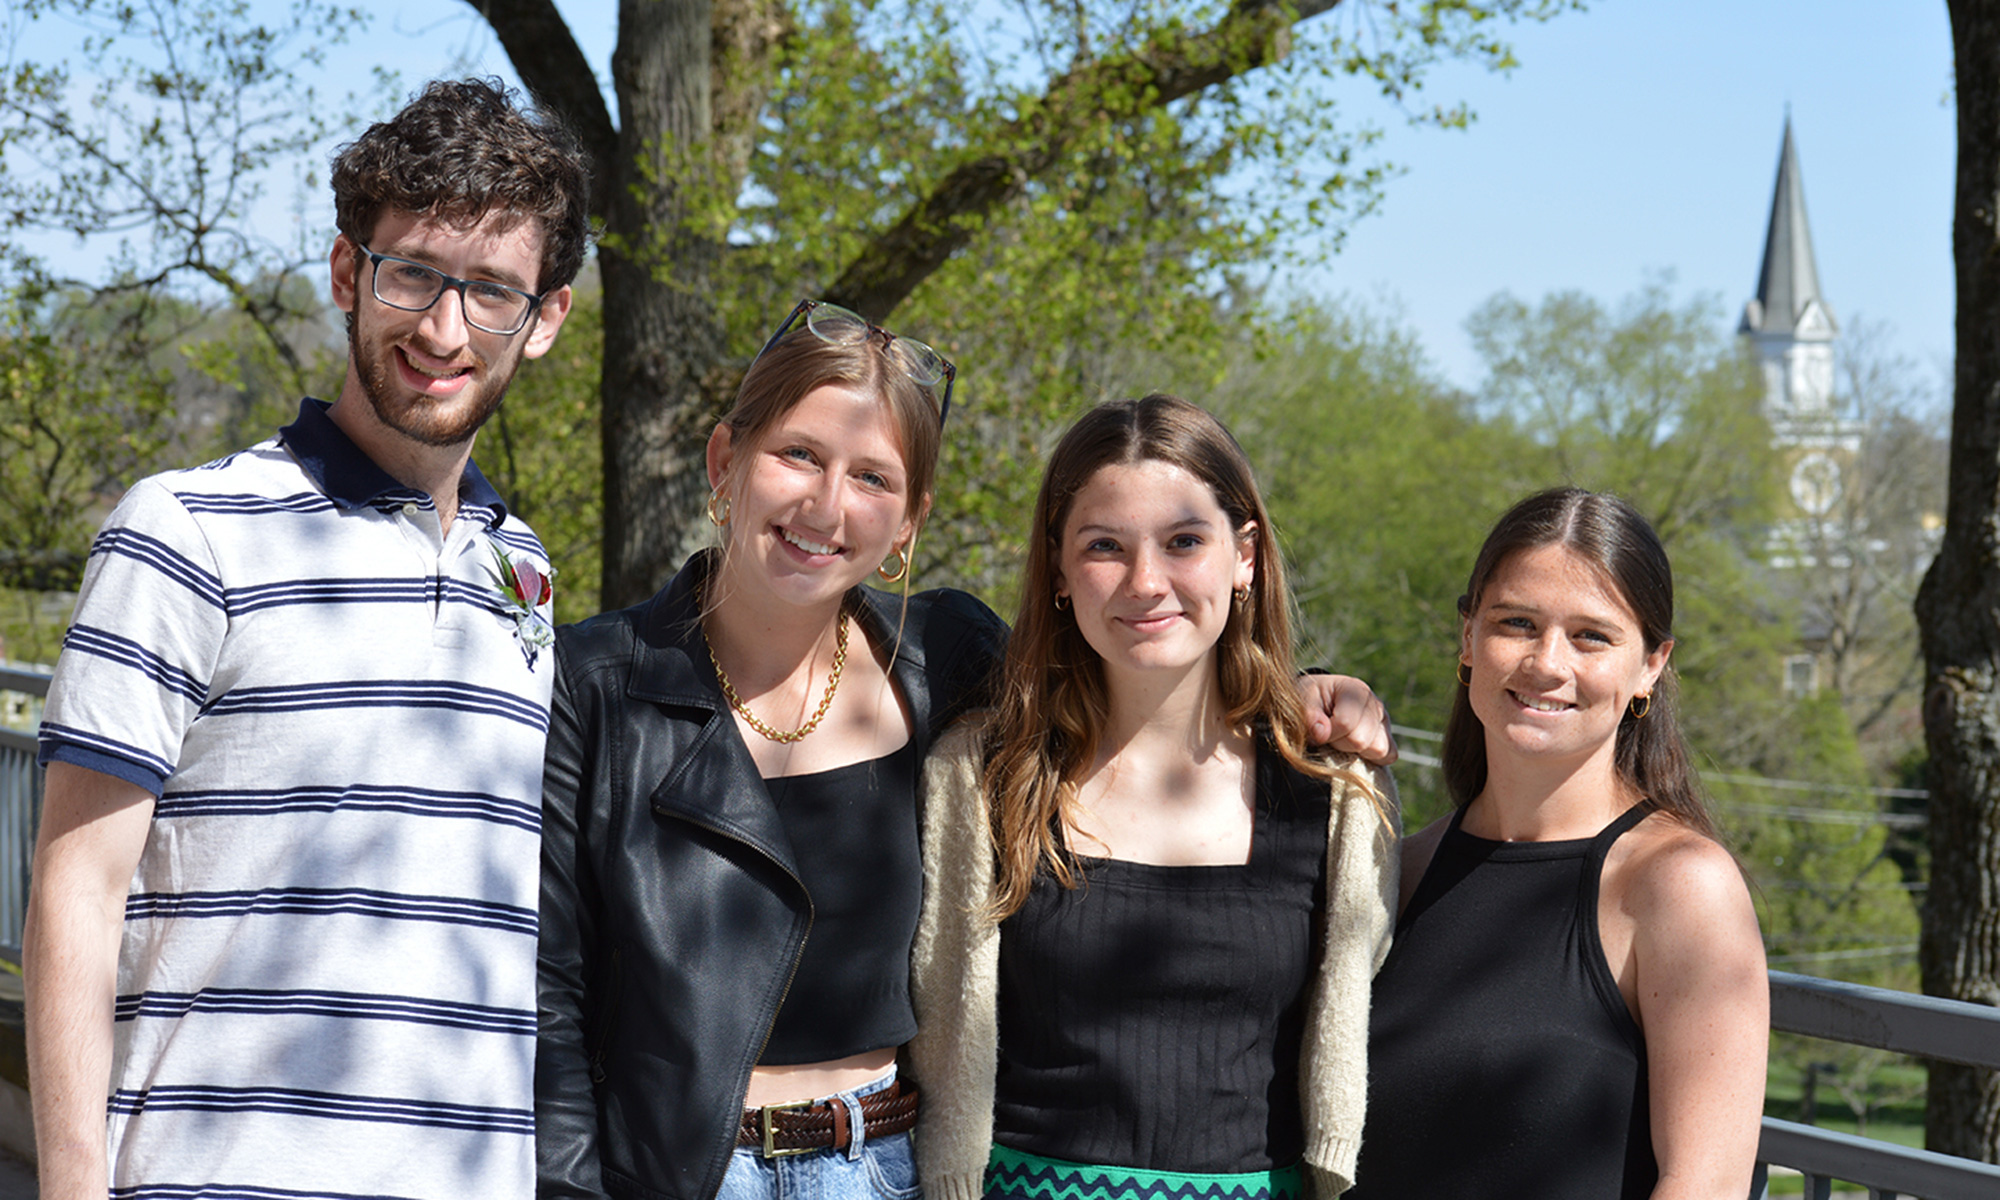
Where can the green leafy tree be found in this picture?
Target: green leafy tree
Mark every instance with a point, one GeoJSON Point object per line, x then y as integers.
{"type": "Point", "coordinates": [1651, 399]}
{"type": "Point", "coordinates": [1831, 898]}
{"type": "Point", "coordinates": [541, 452]}
{"type": "Point", "coordinates": [76, 426]}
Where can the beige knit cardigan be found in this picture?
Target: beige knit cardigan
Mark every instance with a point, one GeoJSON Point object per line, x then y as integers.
{"type": "Point", "coordinates": [955, 972]}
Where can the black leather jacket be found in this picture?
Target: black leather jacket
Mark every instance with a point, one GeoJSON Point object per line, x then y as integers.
{"type": "Point", "coordinates": [672, 913]}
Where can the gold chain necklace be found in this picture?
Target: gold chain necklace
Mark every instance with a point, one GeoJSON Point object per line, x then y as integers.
{"type": "Point", "coordinates": [825, 702]}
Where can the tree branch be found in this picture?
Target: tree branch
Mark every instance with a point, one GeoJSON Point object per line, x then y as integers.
{"type": "Point", "coordinates": [1172, 66]}
{"type": "Point", "coordinates": [539, 44]}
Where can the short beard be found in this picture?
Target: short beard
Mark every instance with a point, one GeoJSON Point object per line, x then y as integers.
{"type": "Point", "coordinates": [432, 424]}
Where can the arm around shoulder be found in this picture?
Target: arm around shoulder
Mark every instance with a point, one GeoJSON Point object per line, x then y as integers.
{"type": "Point", "coordinates": [1703, 996]}
{"type": "Point", "coordinates": [94, 829]}
{"type": "Point", "coordinates": [1362, 870]}
{"type": "Point", "coordinates": [955, 973]}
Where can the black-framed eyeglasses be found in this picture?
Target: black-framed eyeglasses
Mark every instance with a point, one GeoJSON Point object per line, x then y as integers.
{"type": "Point", "coordinates": [839, 326]}
{"type": "Point", "coordinates": [413, 287]}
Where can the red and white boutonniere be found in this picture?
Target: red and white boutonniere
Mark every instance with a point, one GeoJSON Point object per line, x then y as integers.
{"type": "Point", "coordinates": [527, 593]}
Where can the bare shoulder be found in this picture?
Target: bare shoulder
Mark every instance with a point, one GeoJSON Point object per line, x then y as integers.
{"type": "Point", "coordinates": [1667, 872]}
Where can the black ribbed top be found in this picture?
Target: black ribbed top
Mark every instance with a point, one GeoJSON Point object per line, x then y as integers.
{"type": "Point", "coordinates": [854, 837]}
{"type": "Point", "coordinates": [1502, 1060]}
{"type": "Point", "coordinates": [1153, 1016]}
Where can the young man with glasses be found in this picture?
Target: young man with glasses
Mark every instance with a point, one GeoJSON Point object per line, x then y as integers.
{"type": "Point", "coordinates": [284, 900]}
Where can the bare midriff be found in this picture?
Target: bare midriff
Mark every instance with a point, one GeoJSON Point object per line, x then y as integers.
{"type": "Point", "coordinates": [810, 1081]}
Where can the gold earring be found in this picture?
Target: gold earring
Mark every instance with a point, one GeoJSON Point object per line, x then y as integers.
{"type": "Point", "coordinates": [1464, 673]}
{"type": "Point", "coordinates": [1243, 594]}
{"type": "Point", "coordinates": [1640, 706]}
{"type": "Point", "coordinates": [721, 518]}
{"type": "Point", "coordinates": [1062, 601]}
{"type": "Point", "coordinates": [902, 567]}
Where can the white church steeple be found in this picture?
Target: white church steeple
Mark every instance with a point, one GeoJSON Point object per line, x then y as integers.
{"type": "Point", "coordinates": [1789, 322]}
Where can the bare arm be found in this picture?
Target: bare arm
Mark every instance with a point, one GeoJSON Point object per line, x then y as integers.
{"type": "Point", "coordinates": [1704, 1003]}
{"type": "Point", "coordinates": [1344, 712]}
{"type": "Point", "coordinates": [93, 830]}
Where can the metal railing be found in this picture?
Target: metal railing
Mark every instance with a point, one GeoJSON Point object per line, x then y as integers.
{"type": "Point", "coordinates": [1923, 1026]}
{"type": "Point", "coordinates": [20, 811]}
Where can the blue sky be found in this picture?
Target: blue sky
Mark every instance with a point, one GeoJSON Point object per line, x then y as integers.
{"type": "Point", "coordinates": [1635, 138]}
{"type": "Point", "coordinates": [1642, 136]}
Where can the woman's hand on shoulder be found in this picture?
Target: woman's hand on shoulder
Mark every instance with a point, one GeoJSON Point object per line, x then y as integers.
{"type": "Point", "coordinates": [1702, 993]}
{"type": "Point", "coordinates": [1345, 714]}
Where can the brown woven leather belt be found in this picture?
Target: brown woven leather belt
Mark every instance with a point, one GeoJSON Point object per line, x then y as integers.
{"type": "Point", "coordinates": [786, 1129]}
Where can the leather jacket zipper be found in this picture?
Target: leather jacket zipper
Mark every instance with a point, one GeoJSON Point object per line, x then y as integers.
{"type": "Point", "coordinates": [603, 1039]}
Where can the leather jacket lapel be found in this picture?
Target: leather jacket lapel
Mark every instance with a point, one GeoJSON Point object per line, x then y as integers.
{"type": "Point", "coordinates": [706, 774]}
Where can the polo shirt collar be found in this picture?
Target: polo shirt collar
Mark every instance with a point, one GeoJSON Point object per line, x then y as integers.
{"type": "Point", "coordinates": [352, 480]}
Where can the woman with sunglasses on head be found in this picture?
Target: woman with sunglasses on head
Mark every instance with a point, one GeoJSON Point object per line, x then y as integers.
{"type": "Point", "coordinates": [1150, 915]}
{"type": "Point", "coordinates": [1576, 1003]}
{"type": "Point", "coordinates": [731, 875]}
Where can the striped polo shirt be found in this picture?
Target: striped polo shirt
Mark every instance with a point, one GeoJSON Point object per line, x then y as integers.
{"type": "Point", "coordinates": [326, 987]}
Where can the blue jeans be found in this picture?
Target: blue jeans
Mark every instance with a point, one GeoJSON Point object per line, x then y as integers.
{"type": "Point", "coordinates": [870, 1169]}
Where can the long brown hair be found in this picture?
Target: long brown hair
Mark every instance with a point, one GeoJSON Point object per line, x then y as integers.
{"type": "Point", "coordinates": [1651, 755]}
{"type": "Point", "coordinates": [1052, 699]}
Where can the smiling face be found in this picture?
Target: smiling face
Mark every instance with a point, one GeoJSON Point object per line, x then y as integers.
{"type": "Point", "coordinates": [430, 377]}
{"type": "Point", "coordinates": [818, 500]}
{"type": "Point", "coordinates": [1148, 559]}
{"type": "Point", "coordinates": [1556, 655]}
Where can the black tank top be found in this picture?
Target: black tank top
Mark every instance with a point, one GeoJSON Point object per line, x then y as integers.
{"type": "Point", "coordinates": [854, 835]}
{"type": "Point", "coordinates": [1152, 1017]}
{"type": "Point", "coordinates": [1503, 1063]}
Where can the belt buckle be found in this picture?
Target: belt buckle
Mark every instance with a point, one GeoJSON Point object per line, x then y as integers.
{"type": "Point", "coordinates": [771, 1148]}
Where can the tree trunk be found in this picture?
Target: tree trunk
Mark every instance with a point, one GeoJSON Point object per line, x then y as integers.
{"type": "Point", "coordinates": [661, 333]}
{"type": "Point", "coordinates": [1958, 613]}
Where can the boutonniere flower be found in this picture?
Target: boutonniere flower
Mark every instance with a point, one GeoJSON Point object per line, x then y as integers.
{"type": "Point", "coordinates": [526, 592]}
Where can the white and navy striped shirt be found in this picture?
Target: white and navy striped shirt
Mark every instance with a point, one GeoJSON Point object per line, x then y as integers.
{"type": "Point", "coordinates": [327, 980]}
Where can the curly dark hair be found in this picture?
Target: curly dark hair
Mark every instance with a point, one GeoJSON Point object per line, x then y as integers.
{"type": "Point", "coordinates": [461, 149]}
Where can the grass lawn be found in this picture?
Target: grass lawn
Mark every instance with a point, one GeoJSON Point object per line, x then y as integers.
{"type": "Point", "coordinates": [1890, 1088]}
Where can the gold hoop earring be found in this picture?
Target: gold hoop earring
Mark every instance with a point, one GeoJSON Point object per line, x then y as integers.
{"type": "Point", "coordinates": [1243, 594]}
{"type": "Point", "coordinates": [1062, 602]}
{"type": "Point", "coordinates": [1640, 706]}
{"type": "Point", "coordinates": [902, 567]}
{"type": "Point", "coordinates": [718, 518]}
{"type": "Point", "coordinates": [1464, 673]}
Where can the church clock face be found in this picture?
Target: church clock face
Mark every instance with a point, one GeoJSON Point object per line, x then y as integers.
{"type": "Point", "coordinates": [1815, 483]}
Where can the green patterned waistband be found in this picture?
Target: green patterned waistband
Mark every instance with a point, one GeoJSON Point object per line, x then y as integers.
{"type": "Point", "coordinates": [1016, 1175]}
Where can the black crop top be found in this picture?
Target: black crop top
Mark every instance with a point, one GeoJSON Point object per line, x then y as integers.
{"type": "Point", "coordinates": [854, 836]}
{"type": "Point", "coordinates": [1153, 1016]}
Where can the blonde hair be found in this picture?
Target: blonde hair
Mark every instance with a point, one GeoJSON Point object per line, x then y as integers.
{"type": "Point", "coordinates": [799, 362]}
{"type": "Point", "coordinates": [791, 368]}
{"type": "Point", "coordinates": [1052, 697]}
